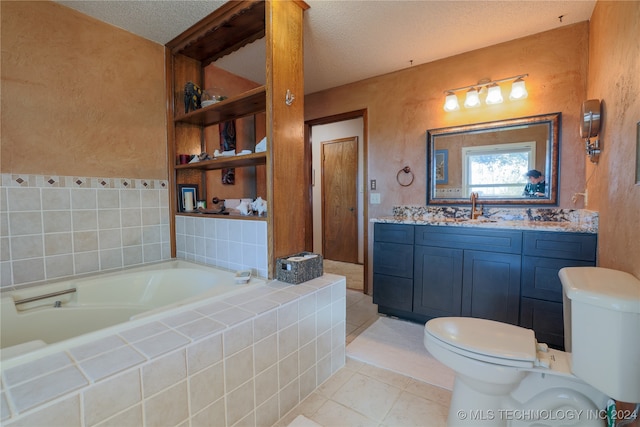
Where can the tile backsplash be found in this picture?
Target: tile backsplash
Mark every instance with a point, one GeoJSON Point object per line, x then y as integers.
{"type": "Point", "coordinates": [52, 227]}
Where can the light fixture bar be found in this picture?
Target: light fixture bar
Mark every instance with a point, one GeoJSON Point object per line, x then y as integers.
{"type": "Point", "coordinates": [483, 83]}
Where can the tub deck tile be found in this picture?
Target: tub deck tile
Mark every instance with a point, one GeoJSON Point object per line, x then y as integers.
{"type": "Point", "coordinates": [144, 331]}
{"type": "Point", "coordinates": [97, 347]}
{"type": "Point", "coordinates": [31, 370]}
{"type": "Point", "coordinates": [111, 362]}
{"type": "Point", "coordinates": [46, 388]}
{"type": "Point", "coordinates": [160, 344]}
{"type": "Point", "coordinates": [182, 318]}
{"type": "Point", "coordinates": [212, 308]}
{"type": "Point", "coordinates": [232, 316]}
{"type": "Point", "coordinates": [258, 306]}
{"type": "Point", "coordinates": [200, 328]}
{"type": "Point", "coordinates": [282, 297]}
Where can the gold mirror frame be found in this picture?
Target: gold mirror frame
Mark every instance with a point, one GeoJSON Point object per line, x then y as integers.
{"type": "Point", "coordinates": [437, 137]}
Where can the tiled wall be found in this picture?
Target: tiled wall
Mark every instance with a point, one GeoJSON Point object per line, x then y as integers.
{"type": "Point", "coordinates": [234, 244]}
{"type": "Point", "coordinates": [244, 360]}
{"type": "Point", "coordinates": [59, 226]}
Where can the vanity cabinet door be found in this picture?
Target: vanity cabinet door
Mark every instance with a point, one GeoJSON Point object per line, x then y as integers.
{"type": "Point", "coordinates": [393, 268]}
{"type": "Point", "coordinates": [546, 319]}
{"type": "Point", "coordinates": [491, 286]}
{"type": "Point", "coordinates": [438, 281]}
{"type": "Point", "coordinates": [540, 276]}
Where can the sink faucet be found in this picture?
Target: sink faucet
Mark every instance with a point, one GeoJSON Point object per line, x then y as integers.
{"type": "Point", "coordinates": [475, 213]}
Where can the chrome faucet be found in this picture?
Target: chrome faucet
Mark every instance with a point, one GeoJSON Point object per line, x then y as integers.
{"type": "Point", "coordinates": [475, 213]}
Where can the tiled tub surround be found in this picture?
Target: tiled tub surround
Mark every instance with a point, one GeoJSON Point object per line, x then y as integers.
{"type": "Point", "coordinates": [568, 220]}
{"type": "Point", "coordinates": [52, 227]}
{"type": "Point", "coordinates": [235, 244]}
{"type": "Point", "coordinates": [245, 360]}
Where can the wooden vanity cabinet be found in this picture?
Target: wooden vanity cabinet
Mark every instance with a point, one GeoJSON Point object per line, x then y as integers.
{"type": "Point", "coordinates": [509, 276]}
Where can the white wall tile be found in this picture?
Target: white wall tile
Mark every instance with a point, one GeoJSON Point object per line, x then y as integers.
{"type": "Point", "coordinates": [23, 199]}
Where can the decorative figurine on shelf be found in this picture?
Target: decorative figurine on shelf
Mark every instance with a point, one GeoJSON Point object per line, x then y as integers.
{"type": "Point", "coordinates": [259, 206]}
{"type": "Point", "coordinates": [192, 97]}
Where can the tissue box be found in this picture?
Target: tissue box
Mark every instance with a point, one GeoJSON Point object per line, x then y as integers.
{"type": "Point", "coordinates": [298, 268]}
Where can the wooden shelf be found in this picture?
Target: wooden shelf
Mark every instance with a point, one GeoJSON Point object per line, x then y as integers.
{"type": "Point", "coordinates": [250, 102]}
{"type": "Point", "coordinates": [253, 159]}
{"type": "Point", "coordinates": [227, 29]}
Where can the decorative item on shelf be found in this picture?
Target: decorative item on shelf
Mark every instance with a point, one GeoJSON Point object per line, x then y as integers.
{"type": "Point", "coordinates": [187, 196]}
{"type": "Point", "coordinates": [298, 268]}
{"type": "Point", "coordinates": [262, 145]}
{"type": "Point", "coordinates": [183, 159]}
{"type": "Point", "coordinates": [244, 208]}
{"type": "Point", "coordinates": [192, 97]}
{"type": "Point", "coordinates": [228, 143]}
{"type": "Point", "coordinates": [212, 96]}
{"type": "Point", "coordinates": [204, 156]}
{"type": "Point", "coordinates": [491, 87]}
{"type": "Point", "coordinates": [259, 206]}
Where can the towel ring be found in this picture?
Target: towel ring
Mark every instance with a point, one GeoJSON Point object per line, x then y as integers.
{"type": "Point", "coordinates": [406, 170]}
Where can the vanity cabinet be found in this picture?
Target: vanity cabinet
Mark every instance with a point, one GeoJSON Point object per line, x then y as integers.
{"type": "Point", "coordinates": [467, 272]}
{"type": "Point", "coordinates": [544, 254]}
{"type": "Point", "coordinates": [511, 276]}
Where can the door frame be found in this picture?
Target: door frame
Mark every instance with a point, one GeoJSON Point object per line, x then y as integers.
{"type": "Point", "coordinates": [365, 180]}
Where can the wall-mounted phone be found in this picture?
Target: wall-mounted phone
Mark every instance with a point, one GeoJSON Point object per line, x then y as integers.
{"type": "Point", "coordinates": [590, 116]}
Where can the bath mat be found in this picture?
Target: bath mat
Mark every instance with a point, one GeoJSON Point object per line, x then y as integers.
{"type": "Point", "coordinates": [398, 346]}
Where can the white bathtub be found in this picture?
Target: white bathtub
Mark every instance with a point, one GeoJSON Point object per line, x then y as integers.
{"type": "Point", "coordinates": [106, 300]}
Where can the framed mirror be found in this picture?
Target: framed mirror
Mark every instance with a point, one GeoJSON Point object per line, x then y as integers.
{"type": "Point", "coordinates": [508, 162]}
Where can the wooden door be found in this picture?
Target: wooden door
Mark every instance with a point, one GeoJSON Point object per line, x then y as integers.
{"type": "Point", "coordinates": [339, 199]}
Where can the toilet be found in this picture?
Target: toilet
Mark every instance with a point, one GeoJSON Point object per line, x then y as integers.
{"type": "Point", "coordinates": [504, 377]}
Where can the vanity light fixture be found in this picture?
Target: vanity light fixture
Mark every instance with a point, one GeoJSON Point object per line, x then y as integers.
{"type": "Point", "coordinates": [493, 90]}
{"type": "Point", "coordinates": [451, 102]}
{"type": "Point", "coordinates": [494, 94]}
{"type": "Point", "coordinates": [473, 98]}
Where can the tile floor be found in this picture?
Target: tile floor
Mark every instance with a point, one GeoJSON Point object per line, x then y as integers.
{"type": "Point", "coordinates": [364, 395]}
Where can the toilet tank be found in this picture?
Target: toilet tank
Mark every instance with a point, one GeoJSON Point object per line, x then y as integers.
{"type": "Point", "coordinates": [602, 326]}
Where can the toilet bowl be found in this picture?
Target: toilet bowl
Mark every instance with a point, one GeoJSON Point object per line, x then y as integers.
{"type": "Point", "coordinates": [504, 377]}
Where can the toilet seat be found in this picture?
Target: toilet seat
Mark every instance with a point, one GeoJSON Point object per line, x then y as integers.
{"type": "Point", "coordinates": [485, 340]}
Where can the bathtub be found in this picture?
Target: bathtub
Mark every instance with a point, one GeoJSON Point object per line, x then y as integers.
{"type": "Point", "coordinates": [105, 300]}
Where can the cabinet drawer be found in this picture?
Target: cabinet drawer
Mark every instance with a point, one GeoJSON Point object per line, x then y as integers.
{"type": "Point", "coordinates": [393, 259]}
{"type": "Point", "coordinates": [505, 241]}
{"type": "Point", "coordinates": [393, 233]}
{"type": "Point", "coordinates": [540, 276]}
{"type": "Point", "coordinates": [545, 318]}
{"type": "Point", "coordinates": [577, 246]}
{"type": "Point", "coordinates": [392, 292]}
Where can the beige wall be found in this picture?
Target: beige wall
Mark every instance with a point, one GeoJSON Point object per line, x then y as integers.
{"type": "Point", "coordinates": [79, 97]}
{"type": "Point", "coordinates": [403, 105]}
{"type": "Point", "coordinates": [614, 77]}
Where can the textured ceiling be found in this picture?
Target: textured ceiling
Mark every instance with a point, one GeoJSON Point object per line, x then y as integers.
{"type": "Point", "coordinates": [350, 40]}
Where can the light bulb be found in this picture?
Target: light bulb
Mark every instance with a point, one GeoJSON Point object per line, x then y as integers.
{"type": "Point", "coordinates": [494, 95]}
{"type": "Point", "coordinates": [518, 90]}
{"type": "Point", "coordinates": [451, 102]}
{"type": "Point", "coordinates": [472, 100]}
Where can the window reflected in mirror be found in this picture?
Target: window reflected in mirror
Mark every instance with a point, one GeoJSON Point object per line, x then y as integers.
{"type": "Point", "coordinates": [507, 162]}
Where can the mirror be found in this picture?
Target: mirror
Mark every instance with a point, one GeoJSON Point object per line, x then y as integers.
{"type": "Point", "coordinates": [493, 159]}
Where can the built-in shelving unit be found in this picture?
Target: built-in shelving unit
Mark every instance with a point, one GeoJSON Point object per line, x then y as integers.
{"type": "Point", "coordinates": [227, 29]}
